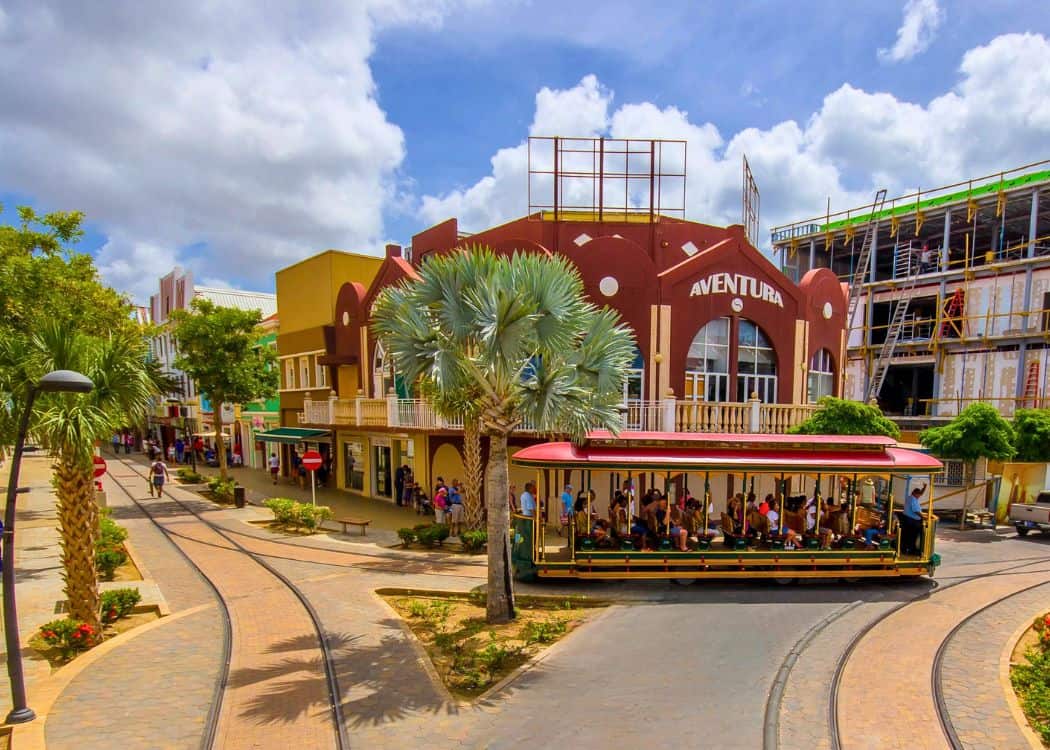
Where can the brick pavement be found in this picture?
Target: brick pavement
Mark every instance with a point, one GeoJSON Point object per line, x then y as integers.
{"type": "Point", "coordinates": [277, 695]}
{"type": "Point", "coordinates": [885, 696]}
{"type": "Point", "coordinates": [154, 691]}
{"type": "Point", "coordinates": [974, 694]}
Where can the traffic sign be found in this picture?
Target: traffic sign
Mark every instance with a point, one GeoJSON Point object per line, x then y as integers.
{"type": "Point", "coordinates": [312, 460]}
{"type": "Point", "coordinates": [100, 466]}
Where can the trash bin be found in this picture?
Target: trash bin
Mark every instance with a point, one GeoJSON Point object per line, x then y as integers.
{"type": "Point", "coordinates": [238, 496]}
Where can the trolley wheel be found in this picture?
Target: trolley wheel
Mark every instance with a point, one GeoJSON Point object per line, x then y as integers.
{"type": "Point", "coordinates": [784, 581]}
{"type": "Point", "coordinates": [684, 581]}
{"type": "Point", "coordinates": [1022, 531]}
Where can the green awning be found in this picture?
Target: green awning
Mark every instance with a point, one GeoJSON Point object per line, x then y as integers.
{"type": "Point", "coordinates": [291, 435]}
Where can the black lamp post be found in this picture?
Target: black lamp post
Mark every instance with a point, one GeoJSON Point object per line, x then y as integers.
{"type": "Point", "coordinates": [59, 380]}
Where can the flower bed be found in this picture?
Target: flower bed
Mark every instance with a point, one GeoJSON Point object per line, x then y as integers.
{"type": "Point", "coordinates": [472, 656]}
{"type": "Point", "coordinates": [1030, 677]}
{"type": "Point", "coordinates": [60, 641]}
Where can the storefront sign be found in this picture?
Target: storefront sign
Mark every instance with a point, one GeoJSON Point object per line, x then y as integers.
{"type": "Point", "coordinates": [738, 285]}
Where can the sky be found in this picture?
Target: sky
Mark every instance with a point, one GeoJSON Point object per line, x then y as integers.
{"type": "Point", "coordinates": [235, 138]}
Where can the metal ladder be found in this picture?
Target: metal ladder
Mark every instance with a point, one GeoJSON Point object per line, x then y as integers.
{"type": "Point", "coordinates": [860, 271]}
{"type": "Point", "coordinates": [893, 335]}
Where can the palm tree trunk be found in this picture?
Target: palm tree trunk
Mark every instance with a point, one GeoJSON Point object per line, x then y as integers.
{"type": "Point", "coordinates": [78, 524]}
{"type": "Point", "coordinates": [220, 444]}
{"type": "Point", "coordinates": [474, 469]}
{"type": "Point", "coordinates": [500, 600]}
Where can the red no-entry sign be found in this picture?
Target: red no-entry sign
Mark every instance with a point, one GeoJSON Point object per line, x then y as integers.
{"type": "Point", "coordinates": [312, 460]}
{"type": "Point", "coordinates": [100, 466]}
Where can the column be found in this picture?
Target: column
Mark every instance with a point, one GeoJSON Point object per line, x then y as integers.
{"type": "Point", "coordinates": [946, 239]}
{"type": "Point", "coordinates": [812, 254]}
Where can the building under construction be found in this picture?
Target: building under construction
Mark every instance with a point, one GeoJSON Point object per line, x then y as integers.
{"type": "Point", "coordinates": [949, 293]}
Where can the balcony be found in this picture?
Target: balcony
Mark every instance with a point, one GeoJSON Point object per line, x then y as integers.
{"type": "Point", "coordinates": [669, 415]}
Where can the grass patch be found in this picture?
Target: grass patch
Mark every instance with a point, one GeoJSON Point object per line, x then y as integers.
{"type": "Point", "coordinates": [472, 656]}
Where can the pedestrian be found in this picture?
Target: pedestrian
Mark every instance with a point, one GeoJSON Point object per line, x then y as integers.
{"type": "Point", "coordinates": [399, 484]}
{"type": "Point", "coordinates": [440, 504]}
{"type": "Point", "coordinates": [275, 467]}
{"type": "Point", "coordinates": [408, 492]}
{"type": "Point", "coordinates": [180, 450]}
{"type": "Point", "coordinates": [116, 443]}
{"type": "Point", "coordinates": [300, 472]}
{"type": "Point", "coordinates": [171, 452]}
{"type": "Point", "coordinates": [566, 505]}
{"type": "Point", "coordinates": [455, 510]}
{"type": "Point", "coordinates": [158, 473]}
{"type": "Point", "coordinates": [512, 500]}
{"type": "Point", "coordinates": [198, 448]}
{"type": "Point", "coordinates": [129, 442]}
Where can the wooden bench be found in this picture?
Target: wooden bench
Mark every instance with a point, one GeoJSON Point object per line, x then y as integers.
{"type": "Point", "coordinates": [362, 522]}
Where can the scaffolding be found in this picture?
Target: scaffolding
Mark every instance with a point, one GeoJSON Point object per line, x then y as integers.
{"type": "Point", "coordinates": [957, 270]}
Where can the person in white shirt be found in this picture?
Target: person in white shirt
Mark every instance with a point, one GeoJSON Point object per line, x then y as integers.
{"type": "Point", "coordinates": [275, 467]}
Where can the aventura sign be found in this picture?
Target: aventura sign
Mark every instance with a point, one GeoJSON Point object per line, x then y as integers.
{"type": "Point", "coordinates": [738, 285]}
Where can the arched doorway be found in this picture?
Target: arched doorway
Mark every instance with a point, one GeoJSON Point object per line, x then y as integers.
{"type": "Point", "coordinates": [385, 375]}
{"type": "Point", "coordinates": [729, 359]}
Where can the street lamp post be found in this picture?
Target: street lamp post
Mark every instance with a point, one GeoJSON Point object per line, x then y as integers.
{"type": "Point", "coordinates": [59, 380]}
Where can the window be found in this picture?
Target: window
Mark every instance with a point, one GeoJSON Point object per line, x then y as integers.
{"type": "Point", "coordinates": [304, 372]}
{"type": "Point", "coordinates": [756, 364]}
{"type": "Point", "coordinates": [382, 372]}
{"type": "Point", "coordinates": [954, 473]}
{"type": "Point", "coordinates": [707, 363]}
{"type": "Point", "coordinates": [320, 374]}
{"type": "Point", "coordinates": [289, 374]}
{"type": "Point", "coordinates": [821, 376]}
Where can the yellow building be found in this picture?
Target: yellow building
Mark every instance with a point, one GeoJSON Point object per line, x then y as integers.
{"type": "Point", "coordinates": [361, 458]}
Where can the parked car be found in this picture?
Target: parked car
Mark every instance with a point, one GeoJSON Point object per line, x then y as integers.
{"type": "Point", "coordinates": [1034, 516]}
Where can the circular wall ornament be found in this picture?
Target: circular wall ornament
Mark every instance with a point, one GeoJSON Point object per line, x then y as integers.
{"type": "Point", "coordinates": [346, 318]}
{"type": "Point", "coordinates": [827, 311]}
{"type": "Point", "coordinates": [737, 304]}
{"type": "Point", "coordinates": [608, 286]}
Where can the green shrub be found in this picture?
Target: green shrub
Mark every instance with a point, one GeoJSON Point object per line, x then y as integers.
{"type": "Point", "coordinates": [407, 536]}
{"type": "Point", "coordinates": [432, 535]}
{"type": "Point", "coordinates": [222, 490]}
{"type": "Point", "coordinates": [68, 636]}
{"type": "Point", "coordinates": [119, 603]}
{"type": "Point", "coordinates": [546, 631]}
{"type": "Point", "coordinates": [111, 534]}
{"type": "Point", "coordinates": [311, 516]}
{"type": "Point", "coordinates": [473, 541]}
{"type": "Point", "coordinates": [189, 476]}
{"type": "Point", "coordinates": [108, 559]}
{"type": "Point", "coordinates": [417, 608]}
{"type": "Point", "coordinates": [282, 509]}
{"type": "Point", "coordinates": [495, 656]}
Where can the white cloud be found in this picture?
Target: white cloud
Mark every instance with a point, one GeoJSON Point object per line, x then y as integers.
{"type": "Point", "coordinates": [994, 118]}
{"type": "Point", "coordinates": [921, 20]}
{"type": "Point", "coordinates": [255, 132]}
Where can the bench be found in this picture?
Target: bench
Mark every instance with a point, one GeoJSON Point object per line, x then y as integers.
{"type": "Point", "coordinates": [362, 522]}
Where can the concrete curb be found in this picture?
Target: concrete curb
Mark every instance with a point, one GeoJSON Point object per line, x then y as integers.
{"type": "Point", "coordinates": [1014, 704]}
{"type": "Point", "coordinates": [771, 721]}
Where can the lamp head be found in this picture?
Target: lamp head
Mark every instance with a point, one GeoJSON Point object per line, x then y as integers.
{"type": "Point", "coordinates": [68, 381]}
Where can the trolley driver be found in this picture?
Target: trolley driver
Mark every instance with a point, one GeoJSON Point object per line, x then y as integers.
{"type": "Point", "coordinates": [911, 522]}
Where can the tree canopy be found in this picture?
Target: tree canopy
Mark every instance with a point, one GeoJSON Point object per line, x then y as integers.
{"type": "Point", "coordinates": [218, 349]}
{"type": "Point", "coordinates": [979, 431]}
{"type": "Point", "coordinates": [836, 416]}
{"type": "Point", "coordinates": [1032, 434]}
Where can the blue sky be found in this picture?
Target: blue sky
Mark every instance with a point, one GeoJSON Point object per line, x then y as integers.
{"type": "Point", "coordinates": [235, 140]}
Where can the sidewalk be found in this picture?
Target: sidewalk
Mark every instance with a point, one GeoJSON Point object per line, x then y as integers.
{"type": "Point", "coordinates": [385, 516]}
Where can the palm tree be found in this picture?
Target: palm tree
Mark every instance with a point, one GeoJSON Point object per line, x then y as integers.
{"type": "Point", "coordinates": [68, 425]}
{"type": "Point", "coordinates": [519, 332]}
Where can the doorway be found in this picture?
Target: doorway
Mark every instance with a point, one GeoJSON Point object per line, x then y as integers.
{"type": "Point", "coordinates": [907, 390]}
{"type": "Point", "coordinates": [381, 462]}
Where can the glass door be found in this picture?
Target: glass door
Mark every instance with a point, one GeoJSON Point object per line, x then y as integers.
{"type": "Point", "coordinates": [381, 454]}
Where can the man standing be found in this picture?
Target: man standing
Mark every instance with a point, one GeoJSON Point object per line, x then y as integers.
{"type": "Point", "coordinates": [527, 502]}
{"type": "Point", "coordinates": [911, 522]}
{"type": "Point", "coordinates": [180, 450]}
{"type": "Point", "coordinates": [116, 443]}
{"type": "Point", "coordinates": [566, 505]}
{"type": "Point", "coordinates": [399, 484]}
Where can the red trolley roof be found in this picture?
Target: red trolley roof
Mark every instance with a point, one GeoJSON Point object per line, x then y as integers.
{"type": "Point", "coordinates": [717, 451]}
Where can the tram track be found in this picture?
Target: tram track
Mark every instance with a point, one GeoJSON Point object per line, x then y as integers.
{"type": "Point", "coordinates": [833, 704]}
{"type": "Point", "coordinates": [327, 658]}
